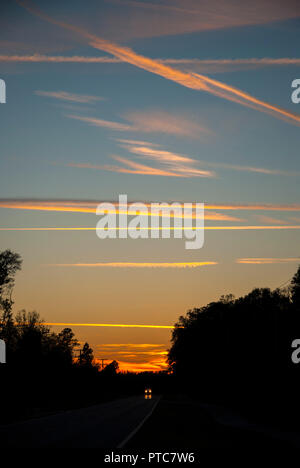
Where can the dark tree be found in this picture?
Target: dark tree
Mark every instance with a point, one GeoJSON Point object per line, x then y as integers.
{"type": "Point", "coordinates": [10, 263]}
{"type": "Point", "coordinates": [295, 289]}
{"type": "Point", "coordinates": [86, 356]}
{"type": "Point", "coordinates": [32, 339]}
{"type": "Point", "coordinates": [111, 369]}
{"type": "Point", "coordinates": [234, 348]}
{"type": "Point", "coordinates": [66, 343]}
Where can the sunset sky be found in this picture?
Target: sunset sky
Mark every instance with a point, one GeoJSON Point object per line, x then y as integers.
{"type": "Point", "coordinates": [169, 100]}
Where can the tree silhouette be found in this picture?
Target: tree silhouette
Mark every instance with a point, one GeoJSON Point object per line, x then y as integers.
{"type": "Point", "coordinates": [236, 348]}
{"type": "Point", "coordinates": [295, 289]}
{"type": "Point", "coordinates": [10, 263]}
{"type": "Point", "coordinates": [66, 342]}
{"type": "Point", "coordinates": [111, 369]}
{"type": "Point", "coordinates": [86, 356]}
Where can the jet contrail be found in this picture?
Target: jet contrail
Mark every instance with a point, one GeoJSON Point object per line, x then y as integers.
{"type": "Point", "coordinates": [135, 264]}
{"type": "Point", "coordinates": [118, 325]}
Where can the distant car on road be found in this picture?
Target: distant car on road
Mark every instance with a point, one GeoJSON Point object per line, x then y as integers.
{"type": "Point", "coordinates": [148, 393]}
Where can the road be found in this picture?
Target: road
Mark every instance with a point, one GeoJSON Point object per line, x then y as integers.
{"type": "Point", "coordinates": [101, 426]}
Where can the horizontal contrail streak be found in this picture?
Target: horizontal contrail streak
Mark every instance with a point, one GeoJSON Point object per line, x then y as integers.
{"type": "Point", "coordinates": [265, 261]}
{"type": "Point", "coordinates": [252, 207]}
{"type": "Point", "coordinates": [210, 228]}
{"type": "Point", "coordinates": [136, 264]}
{"type": "Point", "coordinates": [118, 325]}
{"type": "Point", "coordinates": [40, 58]}
{"type": "Point", "coordinates": [89, 206]}
{"type": "Point", "coordinates": [83, 208]}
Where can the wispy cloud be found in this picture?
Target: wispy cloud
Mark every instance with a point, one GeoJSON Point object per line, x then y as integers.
{"type": "Point", "coordinates": [257, 170]}
{"type": "Point", "coordinates": [176, 165]}
{"type": "Point", "coordinates": [151, 122]}
{"type": "Point", "coordinates": [132, 168]}
{"type": "Point", "coordinates": [160, 121]}
{"type": "Point", "coordinates": [271, 220]}
{"type": "Point", "coordinates": [151, 19]}
{"type": "Point", "coordinates": [70, 97]}
{"type": "Point", "coordinates": [267, 261]}
{"type": "Point", "coordinates": [102, 123]}
{"type": "Point", "coordinates": [168, 164]}
{"type": "Point", "coordinates": [136, 142]}
{"type": "Point", "coordinates": [136, 264]}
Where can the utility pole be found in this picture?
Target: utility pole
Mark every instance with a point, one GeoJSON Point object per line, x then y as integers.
{"type": "Point", "coordinates": [102, 365]}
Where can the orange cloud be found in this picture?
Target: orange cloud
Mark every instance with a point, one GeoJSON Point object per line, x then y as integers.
{"type": "Point", "coordinates": [139, 357]}
{"type": "Point", "coordinates": [136, 168]}
{"type": "Point", "coordinates": [173, 168]}
{"type": "Point", "coordinates": [266, 261]}
{"type": "Point", "coordinates": [171, 164]}
{"type": "Point", "coordinates": [178, 165]}
{"type": "Point", "coordinates": [153, 365]}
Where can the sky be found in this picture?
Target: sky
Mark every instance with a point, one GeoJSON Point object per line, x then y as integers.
{"type": "Point", "coordinates": [162, 101]}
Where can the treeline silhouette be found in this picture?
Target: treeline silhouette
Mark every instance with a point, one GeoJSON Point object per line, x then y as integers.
{"type": "Point", "coordinates": [237, 352]}
{"type": "Point", "coordinates": [47, 371]}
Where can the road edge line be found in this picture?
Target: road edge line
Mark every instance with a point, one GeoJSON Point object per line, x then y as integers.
{"type": "Point", "coordinates": [132, 433]}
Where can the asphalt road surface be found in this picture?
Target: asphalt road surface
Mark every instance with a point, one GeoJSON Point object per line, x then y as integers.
{"type": "Point", "coordinates": [101, 426]}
